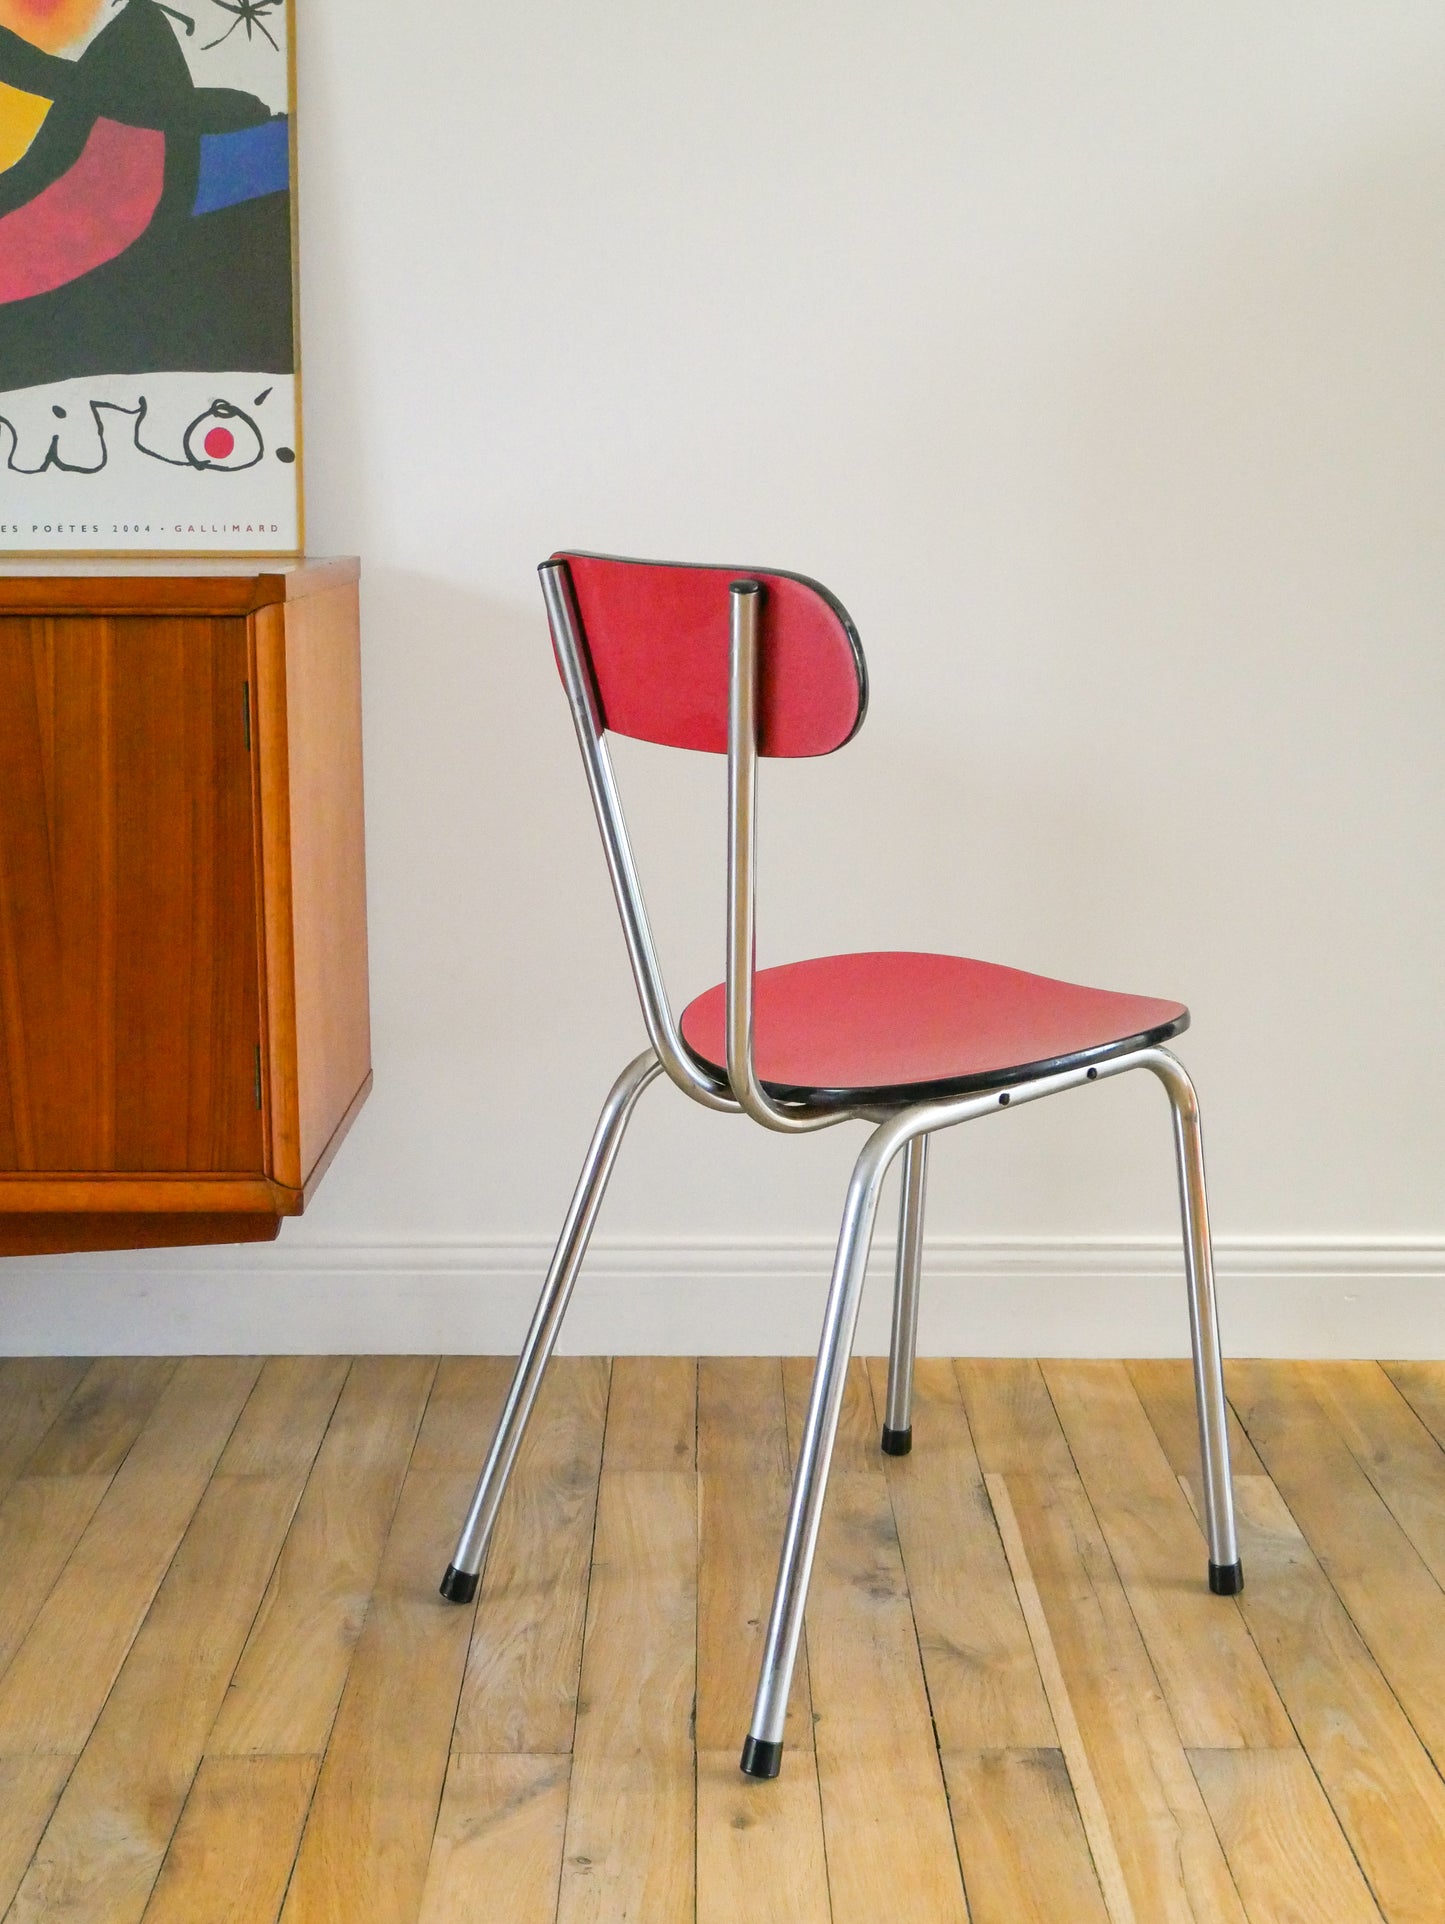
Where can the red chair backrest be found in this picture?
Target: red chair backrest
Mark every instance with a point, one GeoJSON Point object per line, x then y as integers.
{"type": "Point", "coordinates": [657, 634]}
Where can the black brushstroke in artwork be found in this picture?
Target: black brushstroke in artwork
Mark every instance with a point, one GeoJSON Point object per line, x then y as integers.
{"type": "Point", "coordinates": [193, 454]}
{"type": "Point", "coordinates": [184, 18]}
{"type": "Point", "coordinates": [216, 296]}
{"type": "Point", "coordinates": [195, 293]}
{"type": "Point", "coordinates": [248, 13]}
{"type": "Point", "coordinates": [195, 448]}
{"type": "Point", "coordinates": [33, 70]}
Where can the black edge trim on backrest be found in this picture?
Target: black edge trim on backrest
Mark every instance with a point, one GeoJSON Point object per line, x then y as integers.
{"type": "Point", "coordinates": [845, 620]}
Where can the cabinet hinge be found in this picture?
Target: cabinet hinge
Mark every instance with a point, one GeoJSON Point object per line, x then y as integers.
{"type": "Point", "coordinates": [258, 1075]}
{"type": "Point", "coordinates": [246, 712]}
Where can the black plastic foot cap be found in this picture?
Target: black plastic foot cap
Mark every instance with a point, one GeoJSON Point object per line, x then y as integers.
{"type": "Point", "coordinates": [897, 1442]}
{"type": "Point", "coordinates": [459, 1586]}
{"type": "Point", "coordinates": [761, 1759]}
{"type": "Point", "coordinates": [1226, 1579]}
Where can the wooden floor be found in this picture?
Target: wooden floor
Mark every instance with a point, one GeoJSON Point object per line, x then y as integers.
{"type": "Point", "coordinates": [229, 1692]}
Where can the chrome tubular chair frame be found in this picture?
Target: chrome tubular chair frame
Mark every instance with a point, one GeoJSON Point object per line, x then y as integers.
{"type": "Point", "coordinates": [762, 1753]}
{"type": "Point", "coordinates": [898, 1128]}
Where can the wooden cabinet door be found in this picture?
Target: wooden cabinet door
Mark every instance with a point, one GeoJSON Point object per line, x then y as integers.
{"type": "Point", "coordinates": [129, 969]}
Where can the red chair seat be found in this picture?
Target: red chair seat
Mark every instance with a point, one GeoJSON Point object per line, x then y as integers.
{"type": "Point", "coordinates": [899, 1027]}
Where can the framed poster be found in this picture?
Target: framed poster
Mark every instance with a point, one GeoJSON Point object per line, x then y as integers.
{"type": "Point", "coordinates": [149, 386]}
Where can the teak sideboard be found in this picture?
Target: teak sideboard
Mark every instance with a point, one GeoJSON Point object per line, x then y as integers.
{"type": "Point", "coordinates": [184, 1023]}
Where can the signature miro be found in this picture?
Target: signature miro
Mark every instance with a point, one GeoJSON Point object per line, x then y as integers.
{"type": "Point", "coordinates": [222, 439]}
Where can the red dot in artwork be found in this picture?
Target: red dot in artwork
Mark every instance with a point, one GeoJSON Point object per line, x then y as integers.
{"type": "Point", "coordinates": [219, 443]}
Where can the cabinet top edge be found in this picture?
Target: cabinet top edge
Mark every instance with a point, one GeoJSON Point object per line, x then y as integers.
{"type": "Point", "coordinates": [233, 585]}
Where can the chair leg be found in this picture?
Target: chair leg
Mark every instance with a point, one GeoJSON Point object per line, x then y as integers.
{"type": "Point", "coordinates": [763, 1751]}
{"type": "Point", "coordinates": [898, 1417]}
{"type": "Point", "coordinates": [1226, 1573]}
{"type": "Point", "coordinates": [459, 1585]}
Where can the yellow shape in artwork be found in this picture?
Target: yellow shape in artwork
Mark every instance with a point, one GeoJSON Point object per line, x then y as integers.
{"type": "Point", "coordinates": [51, 24]}
{"type": "Point", "coordinates": [21, 118]}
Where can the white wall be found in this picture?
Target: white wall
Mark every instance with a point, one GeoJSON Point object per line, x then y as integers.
{"type": "Point", "coordinates": [1093, 356]}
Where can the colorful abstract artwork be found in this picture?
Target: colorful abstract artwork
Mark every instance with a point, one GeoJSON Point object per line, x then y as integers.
{"type": "Point", "coordinates": [148, 376]}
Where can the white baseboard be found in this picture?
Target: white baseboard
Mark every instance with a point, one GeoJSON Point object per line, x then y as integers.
{"type": "Point", "coordinates": [1020, 1297]}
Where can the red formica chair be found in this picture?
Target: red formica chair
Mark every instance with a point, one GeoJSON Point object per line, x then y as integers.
{"type": "Point", "coordinates": [749, 662]}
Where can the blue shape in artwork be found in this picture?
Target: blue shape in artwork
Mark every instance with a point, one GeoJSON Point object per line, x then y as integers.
{"type": "Point", "coordinates": [243, 165]}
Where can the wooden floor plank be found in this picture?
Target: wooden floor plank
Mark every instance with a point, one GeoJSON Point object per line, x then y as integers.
{"type": "Point", "coordinates": [1171, 1860]}
{"type": "Point", "coordinates": [886, 1828]}
{"type": "Point", "coordinates": [30, 1788]}
{"type": "Point", "coordinates": [67, 1472]}
{"type": "Point", "coordinates": [856, 1451]}
{"type": "Point", "coordinates": [1025, 1856]}
{"type": "Point", "coordinates": [1218, 1690]}
{"type": "Point", "coordinates": [887, 1835]}
{"type": "Point", "coordinates": [1011, 1417]}
{"type": "Point", "coordinates": [290, 1677]}
{"type": "Point", "coordinates": [1093, 1813]}
{"type": "Point", "coordinates": [1166, 1389]}
{"type": "Point", "coordinates": [1369, 1760]}
{"type": "Point", "coordinates": [33, 1391]}
{"type": "Point", "coordinates": [368, 1836]}
{"type": "Point", "coordinates": [520, 1690]}
{"type": "Point", "coordinates": [134, 1545]}
{"type": "Point", "coordinates": [94, 1432]}
{"type": "Point", "coordinates": [630, 1845]}
{"type": "Point", "coordinates": [759, 1846]}
{"type": "Point", "coordinates": [62, 1673]}
{"type": "Point", "coordinates": [885, 1810]}
{"type": "Point", "coordinates": [1289, 1857]}
{"type": "Point", "coordinates": [462, 1407]}
{"type": "Point", "coordinates": [103, 1848]}
{"type": "Point", "coordinates": [1388, 1797]}
{"type": "Point", "coordinates": [233, 1849]}
{"type": "Point", "coordinates": [41, 1520]}
{"type": "Point", "coordinates": [983, 1681]}
{"type": "Point", "coordinates": [285, 1418]}
{"type": "Point", "coordinates": [1353, 1536]}
{"type": "Point", "coordinates": [652, 1413]}
{"type": "Point", "coordinates": [744, 1478]}
{"type": "Point", "coordinates": [1392, 1446]}
{"type": "Point", "coordinates": [498, 1848]}
{"type": "Point", "coordinates": [1423, 1387]}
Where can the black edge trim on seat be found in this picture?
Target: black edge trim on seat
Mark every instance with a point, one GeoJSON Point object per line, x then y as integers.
{"type": "Point", "coordinates": [946, 1087]}
{"type": "Point", "coordinates": [787, 574]}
